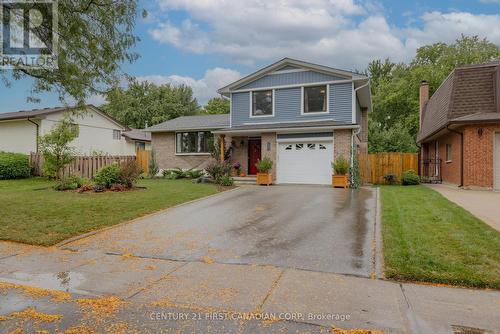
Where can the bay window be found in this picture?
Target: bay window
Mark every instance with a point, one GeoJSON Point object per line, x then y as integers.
{"type": "Point", "coordinates": [193, 142]}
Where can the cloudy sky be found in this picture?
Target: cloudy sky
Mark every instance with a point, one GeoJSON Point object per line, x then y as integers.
{"type": "Point", "coordinates": [209, 43]}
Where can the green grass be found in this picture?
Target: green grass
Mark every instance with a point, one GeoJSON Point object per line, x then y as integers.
{"type": "Point", "coordinates": [428, 238]}
{"type": "Point", "coordinates": [32, 212]}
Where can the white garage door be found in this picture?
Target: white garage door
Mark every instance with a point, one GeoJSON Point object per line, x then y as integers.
{"type": "Point", "coordinates": [496, 162]}
{"type": "Point", "coordinates": [306, 162]}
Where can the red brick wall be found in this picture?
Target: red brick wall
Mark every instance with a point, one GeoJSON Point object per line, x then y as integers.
{"type": "Point", "coordinates": [450, 170]}
{"type": "Point", "coordinates": [478, 155]}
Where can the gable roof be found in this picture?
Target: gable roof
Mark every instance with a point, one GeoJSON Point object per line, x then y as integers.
{"type": "Point", "coordinates": [197, 122]}
{"type": "Point", "coordinates": [136, 134]}
{"type": "Point", "coordinates": [287, 63]}
{"type": "Point", "coordinates": [40, 113]}
{"type": "Point", "coordinates": [466, 96]}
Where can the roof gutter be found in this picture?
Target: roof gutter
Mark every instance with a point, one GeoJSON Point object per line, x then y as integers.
{"type": "Point", "coordinates": [287, 130]}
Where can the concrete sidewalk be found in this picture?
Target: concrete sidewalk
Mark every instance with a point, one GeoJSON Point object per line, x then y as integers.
{"type": "Point", "coordinates": [153, 295]}
{"type": "Point", "coordinates": [485, 205]}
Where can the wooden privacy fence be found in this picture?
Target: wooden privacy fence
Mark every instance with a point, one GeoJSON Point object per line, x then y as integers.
{"type": "Point", "coordinates": [373, 167]}
{"type": "Point", "coordinates": [143, 157]}
{"type": "Point", "coordinates": [83, 166]}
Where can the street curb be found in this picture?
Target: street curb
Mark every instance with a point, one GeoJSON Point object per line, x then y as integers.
{"type": "Point", "coordinates": [379, 257]}
{"type": "Point", "coordinates": [91, 233]}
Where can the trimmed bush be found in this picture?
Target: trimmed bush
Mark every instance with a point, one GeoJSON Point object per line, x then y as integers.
{"type": "Point", "coordinates": [69, 183]}
{"type": "Point", "coordinates": [108, 176]}
{"type": "Point", "coordinates": [14, 166]}
{"type": "Point", "coordinates": [410, 178]}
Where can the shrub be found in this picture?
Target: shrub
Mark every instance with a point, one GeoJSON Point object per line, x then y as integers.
{"type": "Point", "coordinates": [226, 181]}
{"type": "Point", "coordinates": [340, 166]}
{"type": "Point", "coordinates": [390, 178]}
{"type": "Point", "coordinates": [14, 166]}
{"type": "Point", "coordinates": [175, 173]}
{"type": "Point", "coordinates": [108, 175]}
{"type": "Point", "coordinates": [129, 173]}
{"type": "Point", "coordinates": [153, 164]}
{"type": "Point", "coordinates": [69, 183]}
{"type": "Point", "coordinates": [264, 165]}
{"type": "Point", "coordinates": [410, 178]}
{"type": "Point", "coordinates": [217, 169]}
{"type": "Point", "coordinates": [117, 187]}
{"type": "Point", "coordinates": [194, 173]}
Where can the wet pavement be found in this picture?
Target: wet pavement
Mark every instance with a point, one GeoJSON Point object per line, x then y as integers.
{"type": "Point", "coordinates": [304, 227]}
{"type": "Point", "coordinates": [196, 273]}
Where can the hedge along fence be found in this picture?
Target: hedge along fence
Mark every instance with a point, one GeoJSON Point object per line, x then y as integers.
{"type": "Point", "coordinates": [373, 167]}
{"type": "Point", "coordinates": [14, 166]}
{"type": "Point", "coordinates": [82, 166]}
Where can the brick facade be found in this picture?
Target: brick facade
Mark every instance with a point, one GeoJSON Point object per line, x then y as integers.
{"type": "Point", "coordinates": [269, 139]}
{"type": "Point", "coordinates": [342, 144]}
{"type": "Point", "coordinates": [240, 151]}
{"type": "Point", "coordinates": [164, 145]}
{"type": "Point", "coordinates": [478, 155]}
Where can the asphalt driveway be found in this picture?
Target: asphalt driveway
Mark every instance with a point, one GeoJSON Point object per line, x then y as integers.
{"type": "Point", "coordinates": [305, 227]}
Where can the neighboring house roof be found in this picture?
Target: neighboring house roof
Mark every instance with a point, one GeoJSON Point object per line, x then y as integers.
{"type": "Point", "coordinates": [290, 125]}
{"type": "Point", "coordinates": [467, 95]}
{"type": "Point", "coordinates": [136, 134]}
{"type": "Point", "coordinates": [198, 122]}
{"type": "Point", "coordinates": [40, 113]}
{"type": "Point", "coordinates": [286, 63]}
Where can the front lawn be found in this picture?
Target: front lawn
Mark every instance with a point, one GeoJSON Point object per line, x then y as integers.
{"type": "Point", "coordinates": [33, 214]}
{"type": "Point", "coordinates": [428, 238]}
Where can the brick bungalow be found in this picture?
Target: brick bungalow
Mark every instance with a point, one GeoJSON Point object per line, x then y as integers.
{"type": "Point", "coordinates": [460, 128]}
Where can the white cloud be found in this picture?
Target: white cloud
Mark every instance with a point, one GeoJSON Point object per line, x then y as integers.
{"type": "Point", "coordinates": [204, 88]}
{"type": "Point", "coordinates": [341, 33]}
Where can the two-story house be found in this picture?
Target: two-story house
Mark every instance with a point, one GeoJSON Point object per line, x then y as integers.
{"type": "Point", "coordinates": [299, 114]}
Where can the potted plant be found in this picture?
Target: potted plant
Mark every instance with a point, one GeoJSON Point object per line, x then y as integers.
{"type": "Point", "coordinates": [340, 168]}
{"type": "Point", "coordinates": [237, 168]}
{"type": "Point", "coordinates": [264, 167]}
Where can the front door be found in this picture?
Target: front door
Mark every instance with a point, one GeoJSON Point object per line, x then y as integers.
{"type": "Point", "coordinates": [253, 155]}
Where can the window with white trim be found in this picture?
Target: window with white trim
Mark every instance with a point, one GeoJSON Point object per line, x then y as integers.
{"type": "Point", "coordinates": [262, 103]}
{"type": "Point", "coordinates": [315, 99]}
{"type": "Point", "coordinates": [448, 153]}
{"type": "Point", "coordinates": [193, 142]}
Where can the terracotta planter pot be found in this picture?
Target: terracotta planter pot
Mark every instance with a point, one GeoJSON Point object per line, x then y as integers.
{"type": "Point", "coordinates": [264, 178]}
{"type": "Point", "coordinates": [339, 181]}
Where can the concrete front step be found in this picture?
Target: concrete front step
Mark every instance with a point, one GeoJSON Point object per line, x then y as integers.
{"type": "Point", "coordinates": [245, 180]}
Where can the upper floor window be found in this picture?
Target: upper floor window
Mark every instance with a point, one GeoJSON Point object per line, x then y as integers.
{"type": "Point", "coordinates": [193, 142]}
{"type": "Point", "coordinates": [315, 99]}
{"type": "Point", "coordinates": [117, 134]}
{"type": "Point", "coordinates": [262, 103]}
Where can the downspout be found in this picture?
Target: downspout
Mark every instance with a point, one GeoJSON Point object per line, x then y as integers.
{"type": "Point", "coordinates": [356, 131]}
{"type": "Point", "coordinates": [37, 133]}
{"type": "Point", "coordinates": [461, 154]}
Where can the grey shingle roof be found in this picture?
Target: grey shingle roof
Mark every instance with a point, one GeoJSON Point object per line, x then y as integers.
{"type": "Point", "coordinates": [285, 125]}
{"type": "Point", "coordinates": [466, 95]}
{"type": "Point", "coordinates": [136, 134]}
{"type": "Point", "coordinates": [198, 122]}
{"type": "Point", "coordinates": [29, 113]}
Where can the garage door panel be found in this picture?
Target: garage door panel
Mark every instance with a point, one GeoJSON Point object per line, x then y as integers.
{"type": "Point", "coordinates": [307, 162]}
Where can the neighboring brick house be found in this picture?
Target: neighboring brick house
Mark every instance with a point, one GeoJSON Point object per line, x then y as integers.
{"type": "Point", "coordinates": [299, 114]}
{"type": "Point", "coordinates": [460, 128]}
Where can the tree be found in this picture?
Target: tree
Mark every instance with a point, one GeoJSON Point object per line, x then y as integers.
{"type": "Point", "coordinates": [55, 148]}
{"type": "Point", "coordinates": [144, 104]}
{"type": "Point", "coordinates": [217, 105]}
{"type": "Point", "coordinates": [95, 37]}
{"type": "Point", "coordinates": [395, 88]}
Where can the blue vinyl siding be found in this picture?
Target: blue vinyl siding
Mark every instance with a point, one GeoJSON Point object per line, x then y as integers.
{"type": "Point", "coordinates": [341, 102]}
{"type": "Point", "coordinates": [294, 78]}
{"type": "Point", "coordinates": [288, 106]}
